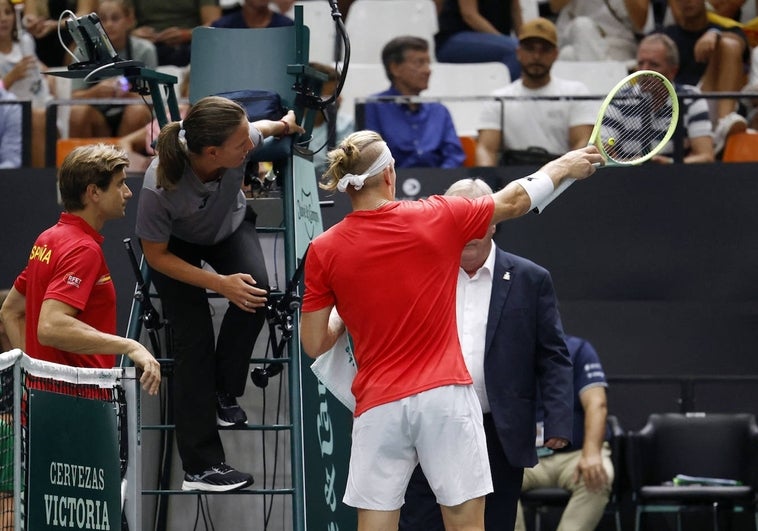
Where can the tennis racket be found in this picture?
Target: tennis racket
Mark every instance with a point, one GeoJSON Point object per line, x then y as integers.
{"type": "Point", "coordinates": [635, 121]}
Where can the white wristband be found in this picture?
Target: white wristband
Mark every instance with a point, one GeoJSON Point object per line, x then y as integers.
{"type": "Point", "coordinates": [539, 188]}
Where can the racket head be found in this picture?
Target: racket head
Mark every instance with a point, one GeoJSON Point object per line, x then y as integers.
{"type": "Point", "coordinates": [636, 120]}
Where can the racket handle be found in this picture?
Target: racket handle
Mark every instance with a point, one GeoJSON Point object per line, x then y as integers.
{"type": "Point", "coordinates": [558, 191]}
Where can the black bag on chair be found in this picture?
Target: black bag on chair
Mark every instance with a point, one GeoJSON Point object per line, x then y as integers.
{"type": "Point", "coordinates": [258, 104]}
{"type": "Point", "coordinates": [262, 105]}
{"type": "Point", "coordinates": [531, 156]}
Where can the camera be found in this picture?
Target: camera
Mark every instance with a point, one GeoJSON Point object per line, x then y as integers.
{"type": "Point", "coordinates": [93, 46]}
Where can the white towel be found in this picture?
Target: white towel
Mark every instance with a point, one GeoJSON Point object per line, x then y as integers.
{"type": "Point", "coordinates": [336, 369]}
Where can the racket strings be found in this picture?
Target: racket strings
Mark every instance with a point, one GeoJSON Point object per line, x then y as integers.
{"type": "Point", "coordinates": [637, 119]}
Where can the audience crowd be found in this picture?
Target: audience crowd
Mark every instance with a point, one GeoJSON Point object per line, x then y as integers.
{"type": "Point", "coordinates": [714, 54]}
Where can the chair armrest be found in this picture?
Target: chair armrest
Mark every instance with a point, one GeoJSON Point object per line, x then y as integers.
{"type": "Point", "coordinates": [637, 450]}
{"type": "Point", "coordinates": [618, 448]}
{"type": "Point", "coordinates": [754, 454]}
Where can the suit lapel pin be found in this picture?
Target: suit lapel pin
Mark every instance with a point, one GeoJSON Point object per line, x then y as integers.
{"type": "Point", "coordinates": [507, 275]}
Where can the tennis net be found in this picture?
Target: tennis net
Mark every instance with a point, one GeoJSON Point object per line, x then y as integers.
{"type": "Point", "coordinates": [68, 446]}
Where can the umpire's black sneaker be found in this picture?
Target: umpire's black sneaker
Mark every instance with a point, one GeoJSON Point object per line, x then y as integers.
{"type": "Point", "coordinates": [218, 478]}
{"type": "Point", "coordinates": [228, 411]}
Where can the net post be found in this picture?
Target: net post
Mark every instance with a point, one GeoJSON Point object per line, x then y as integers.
{"type": "Point", "coordinates": [132, 508]}
{"type": "Point", "coordinates": [17, 477]}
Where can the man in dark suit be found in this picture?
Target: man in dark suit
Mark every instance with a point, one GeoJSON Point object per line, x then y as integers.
{"type": "Point", "coordinates": [512, 341]}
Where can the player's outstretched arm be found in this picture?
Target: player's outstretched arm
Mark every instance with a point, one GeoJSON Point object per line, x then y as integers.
{"type": "Point", "coordinates": [525, 194]}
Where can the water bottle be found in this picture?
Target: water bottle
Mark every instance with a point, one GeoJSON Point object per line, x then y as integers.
{"type": "Point", "coordinates": [33, 86]}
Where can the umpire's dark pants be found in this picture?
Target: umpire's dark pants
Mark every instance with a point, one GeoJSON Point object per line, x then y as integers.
{"type": "Point", "coordinates": [204, 366]}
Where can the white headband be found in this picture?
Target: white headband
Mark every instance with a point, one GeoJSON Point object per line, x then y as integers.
{"type": "Point", "coordinates": [383, 160]}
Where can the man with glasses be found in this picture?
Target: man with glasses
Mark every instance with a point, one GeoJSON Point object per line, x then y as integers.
{"type": "Point", "coordinates": [419, 135]}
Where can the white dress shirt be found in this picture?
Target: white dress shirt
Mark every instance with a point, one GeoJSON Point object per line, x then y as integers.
{"type": "Point", "coordinates": [472, 309]}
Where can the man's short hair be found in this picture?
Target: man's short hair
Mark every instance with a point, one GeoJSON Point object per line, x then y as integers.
{"type": "Point", "coordinates": [672, 52]}
{"type": "Point", "coordinates": [92, 164]}
{"type": "Point", "coordinates": [394, 51]}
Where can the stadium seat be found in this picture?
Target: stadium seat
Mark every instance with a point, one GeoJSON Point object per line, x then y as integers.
{"type": "Point", "coordinates": [741, 147]}
{"type": "Point", "coordinates": [323, 34]}
{"type": "Point", "coordinates": [680, 463]}
{"type": "Point", "coordinates": [372, 23]}
{"type": "Point", "coordinates": [529, 9]}
{"type": "Point", "coordinates": [599, 76]}
{"type": "Point", "coordinates": [363, 79]}
{"type": "Point", "coordinates": [468, 143]}
{"type": "Point", "coordinates": [467, 85]}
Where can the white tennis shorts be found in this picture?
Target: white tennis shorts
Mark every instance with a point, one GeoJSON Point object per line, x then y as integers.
{"type": "Point", "coordinates": [440, 428]}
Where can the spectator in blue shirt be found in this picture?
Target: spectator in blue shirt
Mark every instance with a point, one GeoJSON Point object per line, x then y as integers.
{"type": "Point", "coordinates": [10, 132]}
{"type": "Point", "coordinates": [418, 134]}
